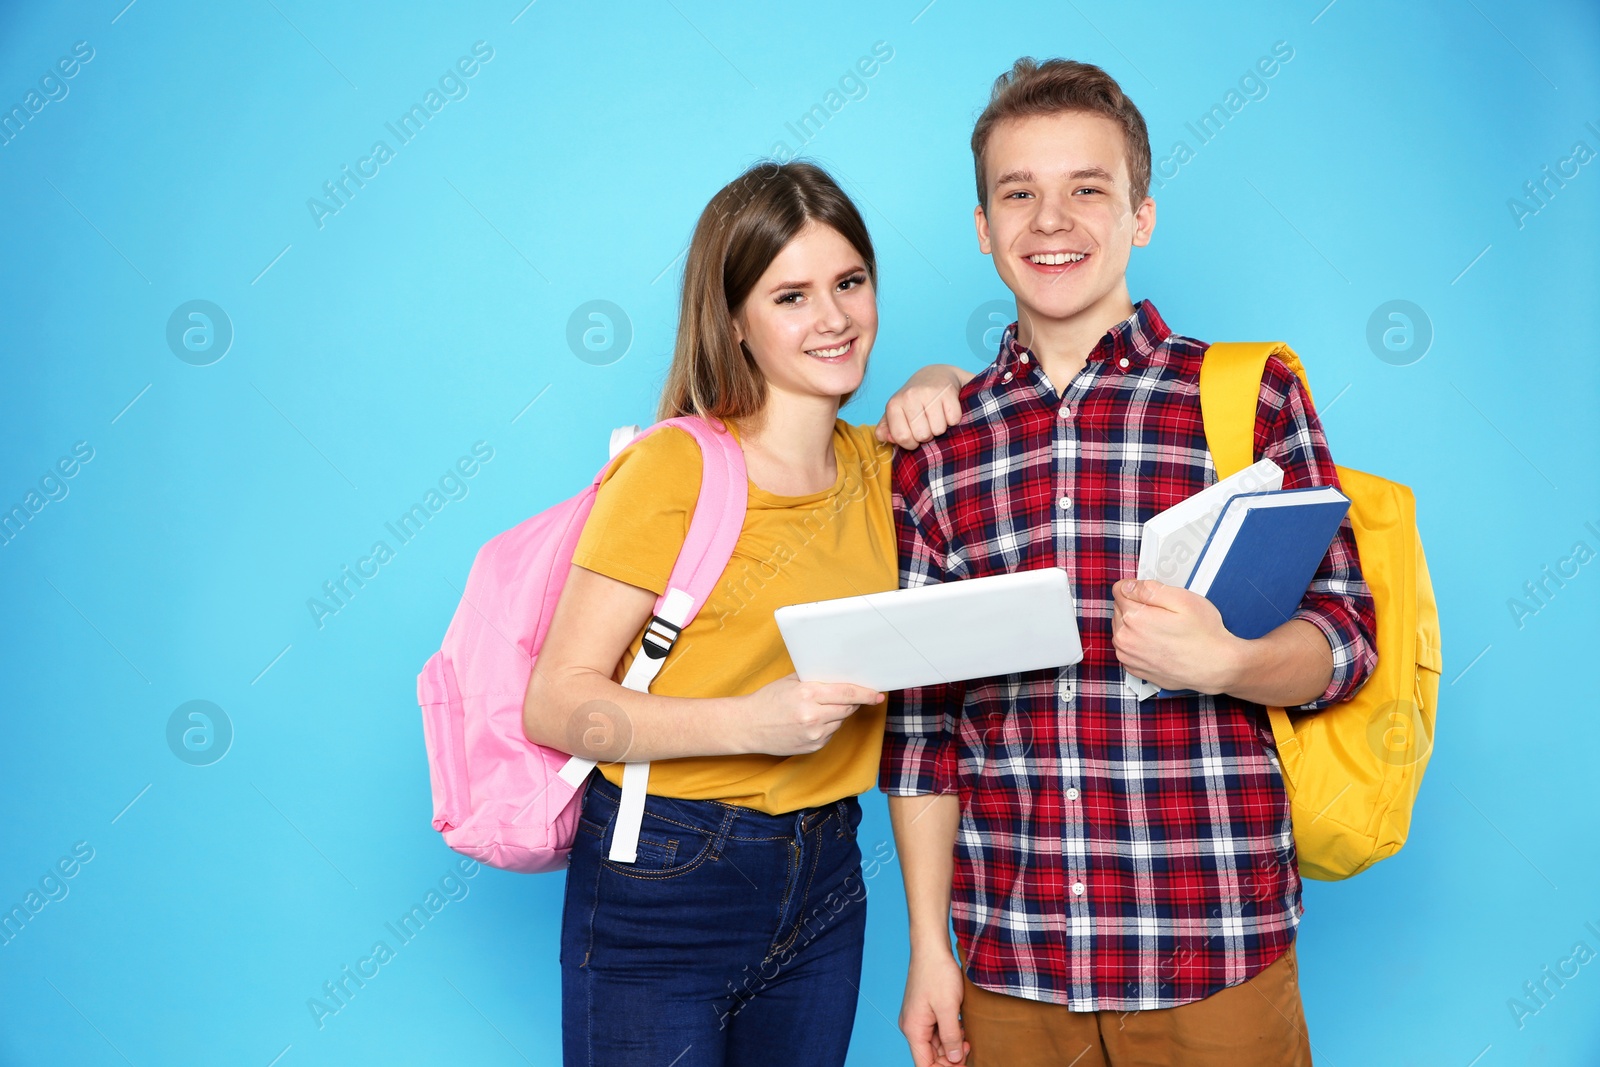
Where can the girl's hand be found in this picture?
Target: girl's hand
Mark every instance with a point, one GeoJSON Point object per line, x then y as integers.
{"type": "Point", "coordinates": [925, 407]}
{"type": "Point", "coordinates": [789, 717]}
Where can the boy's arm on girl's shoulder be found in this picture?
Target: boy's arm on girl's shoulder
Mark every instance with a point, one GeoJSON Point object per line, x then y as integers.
{"type": "Point", "coordinates": [925, 407]}
{"type": "Point", "coordinates": [1338, 602]}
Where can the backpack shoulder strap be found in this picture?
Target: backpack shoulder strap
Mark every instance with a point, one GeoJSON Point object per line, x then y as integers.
{"type": "Point", "coordinates": [1230, 385]}
{"type": "Point", "coordinates": [718, 518]}
{"type": "Point", "coordinates": [714, 528]}
{"type": "Point", "coordinates": [1230, 388]}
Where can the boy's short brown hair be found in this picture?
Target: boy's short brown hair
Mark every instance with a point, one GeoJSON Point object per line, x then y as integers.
{"type": "Point", "coordinates": [1032, 88]}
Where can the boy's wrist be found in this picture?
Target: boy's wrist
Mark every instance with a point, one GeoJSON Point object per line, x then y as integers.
{"type": "Point", "coordinates": [1236, 663]}
{"type": "Point", "coordinates": [932, 943]}
{"type": "Point", "coordinates": [938, 373]}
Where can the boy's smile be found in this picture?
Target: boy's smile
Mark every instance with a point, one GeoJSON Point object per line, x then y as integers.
{"type": "Point", "coordinates": [1054, 262]}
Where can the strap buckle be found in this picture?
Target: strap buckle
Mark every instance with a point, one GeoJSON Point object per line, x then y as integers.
{"type": "Point", "coordinates": [659, 637]}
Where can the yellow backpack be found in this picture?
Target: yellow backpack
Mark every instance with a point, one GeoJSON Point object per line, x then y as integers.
{"type": "Point", "coordinates": [1351, 769]}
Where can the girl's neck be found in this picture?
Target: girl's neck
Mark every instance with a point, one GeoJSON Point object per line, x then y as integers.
{"type": "Point", "coordinates": [788, 446]}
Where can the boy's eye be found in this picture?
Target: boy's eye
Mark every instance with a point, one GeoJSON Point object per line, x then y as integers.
{"type": "Point", "coordinates": [1088, 189]}
{"type": "Point", "coordinates": [1018, 192]}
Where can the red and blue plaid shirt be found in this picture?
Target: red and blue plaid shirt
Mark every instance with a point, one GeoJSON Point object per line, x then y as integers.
{"type": "Point", "coordinates": [1112, 854]}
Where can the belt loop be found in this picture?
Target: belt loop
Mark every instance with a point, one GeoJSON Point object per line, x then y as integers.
{"type": "Point", "coordinates": [723, 831]}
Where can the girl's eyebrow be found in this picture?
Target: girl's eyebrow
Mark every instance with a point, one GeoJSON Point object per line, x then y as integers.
{"type": "Point", "coordinates": [857, 269]}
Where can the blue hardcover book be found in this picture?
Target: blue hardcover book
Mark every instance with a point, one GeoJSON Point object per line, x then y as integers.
{"type": "Point", "coordinates": [1261, 556]}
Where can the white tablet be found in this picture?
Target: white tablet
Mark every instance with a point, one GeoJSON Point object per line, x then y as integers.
{"type": "Point", "coordinates": [936, 633]}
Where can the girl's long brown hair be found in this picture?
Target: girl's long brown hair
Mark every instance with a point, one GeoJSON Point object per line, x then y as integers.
{"type": "Point", "coordinates": [738, 236]}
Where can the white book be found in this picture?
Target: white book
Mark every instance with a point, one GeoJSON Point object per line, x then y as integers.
{"type": "Point", "coordinates": [1172, 541]}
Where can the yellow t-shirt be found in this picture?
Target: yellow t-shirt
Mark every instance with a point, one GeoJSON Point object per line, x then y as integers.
{"type": "Point", "coordinates": [791, 549]}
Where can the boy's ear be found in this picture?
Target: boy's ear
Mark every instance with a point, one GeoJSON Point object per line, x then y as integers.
{"type": "Point", "coordinates": [981, 221]}
{"type": "Point", "coordinates": [1144, 222]}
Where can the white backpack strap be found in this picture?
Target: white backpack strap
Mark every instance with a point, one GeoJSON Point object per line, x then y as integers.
{"type": "Point", "coordinates": [630, 813]}
{"type": "Point", "coordinates": [575, 770]}
{"type": "Point", "coordinates": [620, 437]}
{"type": "Point", "coordinates": [659, 637]}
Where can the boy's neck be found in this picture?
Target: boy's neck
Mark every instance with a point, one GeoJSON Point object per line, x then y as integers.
{"type": "Point", "coordinates": [1062, 346]}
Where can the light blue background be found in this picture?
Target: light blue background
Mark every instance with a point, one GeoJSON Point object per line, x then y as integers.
{"type": "Point", "coordinates": [431, 310]}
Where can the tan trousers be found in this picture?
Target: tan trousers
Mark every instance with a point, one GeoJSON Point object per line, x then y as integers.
{"type": "Point", "coordinates": [1258, 1022]}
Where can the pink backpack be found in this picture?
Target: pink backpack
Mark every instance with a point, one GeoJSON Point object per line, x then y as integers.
{"type": "Point", "coordinates": [497, 797]}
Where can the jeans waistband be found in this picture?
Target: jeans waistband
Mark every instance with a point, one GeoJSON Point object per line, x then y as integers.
{"type": "Point", "coordinates": [745, 821]}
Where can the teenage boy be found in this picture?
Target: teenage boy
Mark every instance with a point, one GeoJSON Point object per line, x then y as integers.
{"type": "Point", "coordinates": [1121, 875]}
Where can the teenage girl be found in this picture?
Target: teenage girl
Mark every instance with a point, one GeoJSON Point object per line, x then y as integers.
{"type": "Point", "coordinates": [736, 938]}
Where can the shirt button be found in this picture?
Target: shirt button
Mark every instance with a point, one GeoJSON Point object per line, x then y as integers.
{"type": "Point", "coordinates": [1072, 794]}
{"type": "Point", "coordinates": [1023, 358]}
{"type": "Point", "coordinates": [1065, 690]}
{"type": "Point", "coordinates": [1065, 503]}
{"type": "Point", "coordinates": [1007, 378]}
{"type": "Point", "coordinates": [1077, 889]}
{"type": "Point", "coordinates": [1065, 412]}
{"type": "Point", "coordinates": [1123, 362]}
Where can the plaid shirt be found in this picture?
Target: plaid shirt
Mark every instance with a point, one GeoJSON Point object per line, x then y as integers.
{"type": "Point", "coordinates": [1111, 854]}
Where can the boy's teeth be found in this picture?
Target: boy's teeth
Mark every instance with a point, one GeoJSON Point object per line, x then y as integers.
{"type": "Point", "coordinates": [1055, 259]}
{"type": "Point", "coordinates": [829, 353]}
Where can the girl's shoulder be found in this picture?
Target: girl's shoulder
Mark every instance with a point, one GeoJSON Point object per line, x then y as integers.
{"type": "Point", "coordinates": [663, 466]}
{"type": "Point", "coordinates": [667, 451]}
{"type": "Point", "coordinates": [873, 455]}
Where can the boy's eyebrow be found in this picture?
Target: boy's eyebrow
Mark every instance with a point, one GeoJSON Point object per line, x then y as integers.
{"type": "Point", "coordinates": [1081, 173]}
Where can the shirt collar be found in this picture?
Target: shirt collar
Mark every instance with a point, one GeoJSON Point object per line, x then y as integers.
{"type": "Point", "coordinates": [1125, 346]}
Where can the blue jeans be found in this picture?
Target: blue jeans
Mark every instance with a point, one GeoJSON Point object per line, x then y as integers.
{"type": "Point", "coordinates": [735, 939]}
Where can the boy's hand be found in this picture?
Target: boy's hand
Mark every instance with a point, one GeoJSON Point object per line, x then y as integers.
{"type": "Point", "coordinates": [930, 1015]}
{"type": "Point", "coordinates": [925, 407]}
{"type": "Point", "coordinates": [1172, 638]}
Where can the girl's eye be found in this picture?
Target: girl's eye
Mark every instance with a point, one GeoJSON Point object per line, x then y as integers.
{"type": "Point", "coordinates": [853, 281]}
{"type": "Point", "coordinates": [788, 298]}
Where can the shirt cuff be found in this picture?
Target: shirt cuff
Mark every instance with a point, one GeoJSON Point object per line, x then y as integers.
{"type": "Point", "coordinates": [917, 766]}
{"type": "Point", "coordinates": [1353, 659]}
